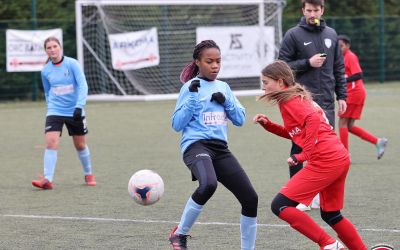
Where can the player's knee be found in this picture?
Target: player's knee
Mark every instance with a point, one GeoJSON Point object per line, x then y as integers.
{"type": "Point", "coordinates": [250, 204]}
{"type": "Point", "coordinates": [252, 199]}
{"type": "Point", "coordinates": [80, 146]}
{"type": "Point", "coordinates": [207, 189]}
{"type": "Point", "coordinates": [280, 202]}
{"type": "Point", "coordinates": [331, 218]}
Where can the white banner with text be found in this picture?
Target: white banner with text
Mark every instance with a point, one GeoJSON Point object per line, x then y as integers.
{"type": "Point", "coordinates": [134, 50]}
{"type": "Point", "coordinates": [25, 49]}
{"type": "Point", "coordinates": [240, 48]}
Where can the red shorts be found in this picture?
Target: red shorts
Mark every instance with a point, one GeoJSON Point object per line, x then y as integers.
{"type": "Point", "coordinates": [353, 111]}
{"type": "Point", "coordinates": [325, 178]}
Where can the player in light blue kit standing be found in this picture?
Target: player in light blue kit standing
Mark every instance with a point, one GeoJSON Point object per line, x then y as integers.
{"type": "Point", "coordinates": [202, 111]}
{"type": "Point", "coordinates": [65, 89]}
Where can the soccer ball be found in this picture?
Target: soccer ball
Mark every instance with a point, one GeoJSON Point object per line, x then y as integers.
{"type": "Point", "coordinates": [146, 187]}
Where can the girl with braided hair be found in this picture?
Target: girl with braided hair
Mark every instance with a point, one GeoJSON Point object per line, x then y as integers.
{"type": "Point", "coordinates": [202, 111]}
{"type": "Point", "coordinates": [327, 159]}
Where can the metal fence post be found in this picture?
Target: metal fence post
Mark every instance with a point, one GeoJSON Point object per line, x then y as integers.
{"type": "Point", "coordinates": [381, 41]}
{"type": "Point", "coordinates": [34, 75]}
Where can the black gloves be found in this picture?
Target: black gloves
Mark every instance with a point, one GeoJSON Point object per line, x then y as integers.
{"type": "Point", "coordinates": [294, 159]}
{"type": "Point", "coordinates": [218, 97]}
{"type": "Point", "coordinates": [194, 86]}
{"type": "Point", "coordinates": [77, 114]}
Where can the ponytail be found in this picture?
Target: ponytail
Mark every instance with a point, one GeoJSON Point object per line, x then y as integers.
{"type": "Point", "coordinates": [189, 71]}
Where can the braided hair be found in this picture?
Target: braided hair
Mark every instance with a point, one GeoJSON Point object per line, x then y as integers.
{"type": "Point", "coordinates": [191, 69]}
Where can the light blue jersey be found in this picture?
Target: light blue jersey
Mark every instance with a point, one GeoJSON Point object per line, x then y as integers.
{"type": "Point", "coordinates": [65, 87]}
{"type": "Point", "coordinates": [200, 119]}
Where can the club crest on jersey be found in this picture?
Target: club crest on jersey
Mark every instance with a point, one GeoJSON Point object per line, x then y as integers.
{"type": "Point", "coordinates": [215, 118]}
{"type": "Point", "coordinates": [294, 132]}
{"type": "Point", "coordinates": [328, 42]}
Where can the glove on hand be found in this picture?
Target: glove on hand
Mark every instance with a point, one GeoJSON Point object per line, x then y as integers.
{"type": "Point", "coordinates": [77, 114]}
{"type": "Point", "coordinates": [218, 97]}
{"type": "Point", "coordinates": [292, 161]}
{"type": "Point", "coordinates": [194, 86]}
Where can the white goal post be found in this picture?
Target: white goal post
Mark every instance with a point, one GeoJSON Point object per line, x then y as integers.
{"type": "Point", "coordinates": [178, 25]}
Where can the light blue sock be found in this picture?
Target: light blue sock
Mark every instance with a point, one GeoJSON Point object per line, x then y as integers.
{"type": "Point", "coordinates": [248, 232]}
{"type": "Point", "coordinates": [189, 216]}
{"type": "Point", "coordinates": [50, 160]}
{"type": "Point", "coordinates": [84, 157]}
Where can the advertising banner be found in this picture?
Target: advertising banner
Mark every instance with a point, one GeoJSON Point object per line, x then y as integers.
{"type": "Point", "coordinates": [241, 51]}
{"type": "Point", "coordinates": [134, 50]}
{"type": "Point", "coordinates": [25, 49]}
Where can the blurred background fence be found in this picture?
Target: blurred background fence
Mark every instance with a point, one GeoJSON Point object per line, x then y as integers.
{"type": "Point", "coordinates": [375, 40]}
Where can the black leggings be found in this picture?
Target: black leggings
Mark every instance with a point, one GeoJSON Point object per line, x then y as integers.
{"type": "Point", "coordinates": [238, 183]}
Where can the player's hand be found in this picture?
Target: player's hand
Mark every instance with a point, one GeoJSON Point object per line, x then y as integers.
{"type": "Point", "coordinates": [317, 60]}
{"type": "Point", "coordinates": [218, 97]}
{"type": "Point", "coordinates": [261, 119]}
{"type": "Point", "coordinates": [342, 106]}
{"type": "Point", "coordinates": [77, 114]}
{"type": "Point", "coordinates": [292, 161]}
{"type": "Point", "coordinates": [194, 86]}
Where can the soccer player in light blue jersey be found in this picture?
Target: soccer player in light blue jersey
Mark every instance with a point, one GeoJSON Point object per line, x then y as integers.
{"type": "Point", "coordinates": [203, 109]}
{"type": "Point", "coordinates": [65, 89]}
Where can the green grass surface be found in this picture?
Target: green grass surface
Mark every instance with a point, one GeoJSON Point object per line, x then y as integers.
{"type": "Point", "coordinates": [126, 137]}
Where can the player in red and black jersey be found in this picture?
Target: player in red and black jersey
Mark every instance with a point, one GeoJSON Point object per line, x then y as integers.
{"type": "Point", "coordinates": [327, 161]}
{"type": "Point", "coordinates": [355, 100]}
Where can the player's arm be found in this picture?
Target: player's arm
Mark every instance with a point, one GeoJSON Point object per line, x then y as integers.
{"type": "Point", "coordinates": [355, 77]}
{"type": "Point", "coordinates": [81, 84]}
{"type": "Point", "coordinates": [311, 126]}
{"type": "Point", "coordinates": [46, 86]}
{"type": "Point", "coordinates": [288, 54]}
{"type": "Point", "coordinates": [184, 108]}
{"type": "Point", "coordinates": [234, 109]}
{"type": "Point", "coordinates": [270, 126]}
{"type": "Point", "coordinates": [338, 71]}
{"type": "Point", "coordinates": [354, 67]}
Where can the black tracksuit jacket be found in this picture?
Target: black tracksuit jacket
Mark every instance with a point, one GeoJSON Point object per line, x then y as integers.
{"type": "Point", "coordinates": [302, 42]}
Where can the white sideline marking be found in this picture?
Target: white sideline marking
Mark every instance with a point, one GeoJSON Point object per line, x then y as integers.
{"type": "Point", "coordinates": [166, 222]}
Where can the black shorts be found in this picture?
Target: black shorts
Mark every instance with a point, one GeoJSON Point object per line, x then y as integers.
{"type": "Point", "coordinates": [56, 123]}
{"type": "Point", "coordinates": [223, 160]}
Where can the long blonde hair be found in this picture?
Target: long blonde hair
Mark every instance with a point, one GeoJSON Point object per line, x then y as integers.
{"type": "Point", "coordinates": [281, 70]}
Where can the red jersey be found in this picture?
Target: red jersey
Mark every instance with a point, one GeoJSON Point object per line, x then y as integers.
{"type": "Point", "coordinates": [355, 90]}
{"type": "Point", "coordinates": [306, 125]}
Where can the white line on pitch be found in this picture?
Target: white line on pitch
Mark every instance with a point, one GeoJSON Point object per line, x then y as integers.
{"type": "Point", "coordinates": [165, 222]}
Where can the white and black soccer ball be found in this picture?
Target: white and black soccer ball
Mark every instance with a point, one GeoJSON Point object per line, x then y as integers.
{"type": "Point", "coordinates": [146, 187]}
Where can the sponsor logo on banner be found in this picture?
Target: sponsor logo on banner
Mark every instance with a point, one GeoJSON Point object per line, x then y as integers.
{"type": "Point", "coordinates": [241, 51]}
{"type": "Point", "coordinates": [134, 50]}
{"type": "Point", "coordinates": [25, 49]}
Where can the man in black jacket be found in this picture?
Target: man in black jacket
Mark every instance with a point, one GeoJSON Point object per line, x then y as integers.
{"type": "Point", "coordinates": [312, 50]}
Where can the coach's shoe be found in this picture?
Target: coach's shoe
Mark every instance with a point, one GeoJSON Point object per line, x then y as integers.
{"type": "Point", "coordinates": [90, 181]}
{"type": "Point", "coordinates": [43, 183]}
{"type": "Point", "coordinates": [303, 207]}
{"type": "Point", "coordinates": [178, 241]}
{"type": "Point", "coordinates": [380, 147]}
{"type": "Point", "coordinates": [334, 246]}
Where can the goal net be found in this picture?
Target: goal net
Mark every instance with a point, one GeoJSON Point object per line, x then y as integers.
{"type": "Point", "coordinates": [247, 31]}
